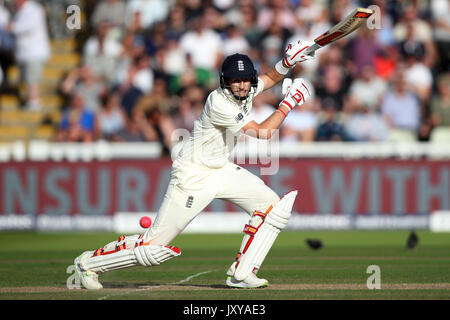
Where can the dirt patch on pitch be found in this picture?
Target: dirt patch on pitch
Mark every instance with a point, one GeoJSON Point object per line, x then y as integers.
{"type": "Point", "coordinates": [337, 286]}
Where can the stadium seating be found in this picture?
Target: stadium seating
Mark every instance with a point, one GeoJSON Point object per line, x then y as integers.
{"type": "Point", "coordinates": [16, 122]}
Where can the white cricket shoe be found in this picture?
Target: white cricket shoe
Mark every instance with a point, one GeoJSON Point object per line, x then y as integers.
{"type": "Point", "coordinates": [88, 278]}
{"type": "Point", "coordinates": [231, 269]}
{"type": "Point", "coordinates": [252, 281]}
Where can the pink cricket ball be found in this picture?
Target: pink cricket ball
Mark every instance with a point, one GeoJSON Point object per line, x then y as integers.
{"type": "Point", "coordinates": [145, 222]}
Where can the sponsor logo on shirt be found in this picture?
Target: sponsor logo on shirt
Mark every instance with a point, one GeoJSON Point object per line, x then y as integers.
{"type": "Point", "coordinates": [189, 202]}
{"type": "Point", "coordinates": [239, 117]}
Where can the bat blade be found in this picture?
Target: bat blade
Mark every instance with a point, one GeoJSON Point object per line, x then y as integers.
{"type": "Point", "coordinates": [352, 22]}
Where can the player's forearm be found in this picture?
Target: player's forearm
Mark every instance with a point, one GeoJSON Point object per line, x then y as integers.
{"type": "Point", "coordinates": [266, 129]}
{"type": "Point", "coordinates": [271, 78]}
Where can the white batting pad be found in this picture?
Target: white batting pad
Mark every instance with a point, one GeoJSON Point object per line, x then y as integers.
{"type": "Point", "coordinates": [275, 221]}
{"type": "Point", "coordinates": [153, 255]}
{"type": "Point", "coordinates": [281, 212]}
{"type": "Point", "coordinates": [145, 255]}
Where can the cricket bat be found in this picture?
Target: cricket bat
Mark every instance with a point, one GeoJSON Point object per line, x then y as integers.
{"type": "Point", "coordinates": [352, 22]}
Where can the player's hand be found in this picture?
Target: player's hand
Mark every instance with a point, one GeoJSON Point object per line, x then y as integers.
{"type": "Point", "coordinates": [297, 93]}
{"type": "Point", "coordinates": [295, 53]}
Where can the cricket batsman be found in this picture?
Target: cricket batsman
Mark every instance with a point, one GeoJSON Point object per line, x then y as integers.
{"type": "Point", "coordinates": [203, 172]}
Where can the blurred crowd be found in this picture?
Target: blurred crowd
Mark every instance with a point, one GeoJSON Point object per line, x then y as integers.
{"type": "Point", "coordinates": [148, 66]}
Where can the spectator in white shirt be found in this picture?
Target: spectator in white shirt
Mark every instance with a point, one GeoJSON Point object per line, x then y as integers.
{"type": "Point", "coordinates": [203, 45]}
{"type": "Point", "coordinates": [401, 107]}
{"type": "Point", "coordinates": [32, 46]}
{"type": "Point", "coordinates": [150, 11]}
{"type": "Point", "coordinates": [368, 89]}
{"type": "Point", "coordinates": [112, 10]}
{"type": "Point", "coordinates": [417, 75]}
{"type": "Point", "coordinates": [235, 42]}
{"type": "Point", "coordinates": [301, 125]}
{"type": "Point", "coordinates": [365, 124]}
{"type": "Point", "coordinates": [101, 52]}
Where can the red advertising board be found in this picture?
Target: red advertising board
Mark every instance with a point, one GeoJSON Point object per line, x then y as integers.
{"type": "Point", "coordinates": [363, 187]}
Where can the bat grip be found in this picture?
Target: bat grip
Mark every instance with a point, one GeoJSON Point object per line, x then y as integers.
{"type": "Point", "coordinates": [312, 48]}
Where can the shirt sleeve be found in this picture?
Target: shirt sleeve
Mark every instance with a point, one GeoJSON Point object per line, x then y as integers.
{"type": "Point", "coordinates": [259, 87]}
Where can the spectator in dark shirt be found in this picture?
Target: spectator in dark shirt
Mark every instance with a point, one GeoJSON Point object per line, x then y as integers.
{"type": "Point", "coordinates": [330, 129]}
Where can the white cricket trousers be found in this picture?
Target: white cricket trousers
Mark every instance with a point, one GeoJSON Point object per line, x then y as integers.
{"type": "Point", "coordinates": [191, 189]}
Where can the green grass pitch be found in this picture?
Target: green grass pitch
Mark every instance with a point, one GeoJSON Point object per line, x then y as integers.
{"type": "Point", "coordinates": [34, 266]}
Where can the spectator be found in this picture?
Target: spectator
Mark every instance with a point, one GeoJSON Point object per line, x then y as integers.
{"type": "Point", "coordinates": [368, 89]}
{"type": "Point", "coordinates": [384, 34]}
{"type": "Point", "coordinates": [197, 96]}
{"type": "Point", "coordinates": [417, 74]}
{"type": "Point", "coordinates": [101, 52]}
{"type": "Point", "coordinates": [214, 20]}
{"type": "Point", "coordinates": [184, 116]}
{"type": "Point", "coordinates": [172, 60]}
{"type": "Point", "coordinates": [309, 12]}
{"type": "Point", "coordinates": [204, 47]}
{"type": "Point", "coordinates": [330, 129]}
{"type": "Point", "coordinates": [143, 77]}
{"type": "Point", "coordinates": [364, 49]}
{"type": "Point", "coordinates": [130, 97]}
{"type": "Point", "coordinates": [164, 127]}
{"type": "Point", "coordinates": [110, 118]}
{"type": "Point", "coordinates": [235, 42]}
{"type": "Point", "coordinates": [386, 62]}
{"type": "Point", "coordinates": [32, 46]}
{"type": "Point", "coordinates": [441, 21]}
{"type": "Point", "coordinates": [400, 107]}
{"type": "Point", "coordinates": [156, 38]}
{"type": "Point", "coordinates": [411, 45]}
{"type": "Point", "coordinates": [365, 124]}
{"type": "Point", "coordinates": [135, 130]}
{"type": "Point", "coordinates": [301, 125]}
{"type": "Point", "coordinates": [158, 98]}
{"type": "Point", "coordinates": [422, 32]}
{"type": "Point", "coordinates": [262, 106]}
{"type": "Point", "coordinates": [150, 11]}
{"type": "Point", "coordinates": [77, 123]}
{"type": "Point", "coordinates": [418, 77]}
{"type": "Point", "coordinates": [277, 12]}
{"type": "Point", "coordinates": [6, 45]}
{"type": "Point", "coordinates": [310, 30]}
{"type": "Point", "coordinates": [82, 81]}
{"type": "Point", "coordinates": [332, 88]}
{"type": "Point", "coordinates": [176, 22]}
{"type": "Point", "coordinates": [272, 42]}
{"type": "Point", "coordinates": [244, 16]}
{"type": "Point", "coordinates": [440, 103]}
{"type": "Point", "coordinates": [57, 17]}
{"type": "Point", "coordinates": [112, 11]}
{"type": "Point", "coordinates": [410, 17]}
{"type": "Point", "coordinates": [193, 9]}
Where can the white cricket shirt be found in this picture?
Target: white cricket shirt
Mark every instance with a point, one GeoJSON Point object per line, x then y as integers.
{"type": "Point", "coordinates": [30, 28]}
{"type": "Point", "coordinates": [217, 130]}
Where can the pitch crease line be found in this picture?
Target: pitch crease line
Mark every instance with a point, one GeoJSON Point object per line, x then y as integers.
{"type": "Point", "coordinates": [145, 288]}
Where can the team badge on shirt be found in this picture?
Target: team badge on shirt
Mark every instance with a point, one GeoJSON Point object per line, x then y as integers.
{"type": "Point", "coordinates": [239, 117]}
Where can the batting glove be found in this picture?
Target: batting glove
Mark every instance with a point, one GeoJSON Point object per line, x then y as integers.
{"type": "Point", "coordinates": [297, 94]}
{"type": "Point", "coordinates": [294, 53]}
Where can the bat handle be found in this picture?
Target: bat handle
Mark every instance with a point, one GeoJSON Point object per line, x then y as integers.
{"type": "Point", "coordinates": [312, 48]}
